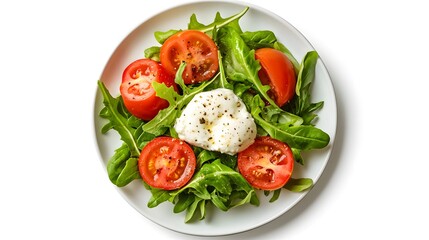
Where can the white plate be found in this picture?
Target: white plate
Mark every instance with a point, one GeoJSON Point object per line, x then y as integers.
{"type": "Point", "coordinates": [245, 217]}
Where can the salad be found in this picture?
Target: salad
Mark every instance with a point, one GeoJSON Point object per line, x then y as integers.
{"type": "Point", "coordinates": [212, 115]}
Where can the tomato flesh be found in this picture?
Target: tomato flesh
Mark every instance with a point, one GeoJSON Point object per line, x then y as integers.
{"type": "Point", "coordinates": [267, 164]}
{"type": "Point", "coordinates": [136, 89]}
{"type": "Point", "coordinates": [167, 163]}
{"type": "Point", "coordinates": [195, 48]}
{"type": "Point", "coordinates": [276, 71]}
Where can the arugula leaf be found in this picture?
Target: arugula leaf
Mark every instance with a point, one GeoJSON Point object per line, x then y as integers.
{"type": "Point", "coordinates": [193, 24]}
{"type": "Point", "coordinates": [161, 37]}
{"type": "Point", "coordinates": [221, 80]}
{"type": "Point", "coordinates": [215, 183]}
{"type": "Point", "coordinates": [301, 103]}
{"type": "Point", "coordinates": [303, 137]}
{"type": "Point", "coordinates": [293, 185]}
{"type": "Point", "coordinates": [207, 156]}
{"type": "Point", "coordinates": [259, 39]}
{"type": "Point", "coordinates": [122, 166]}
{"type": "Point", "coordinates": [165, 118]}
{"type": "Point", "coordinates": [297, 156]}
{"type": "Point", "coordinates": [152, 53]}
{"type": "Point", "coordinates": [218, 22]}
{"type": "Point", "coordinates": [240, 63]}
{"type": "Point", "coordinates": [278, 115]}
{"type": "Point", "coordinates": [298, 185]}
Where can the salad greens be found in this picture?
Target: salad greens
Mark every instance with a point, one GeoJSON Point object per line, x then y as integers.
{"type": "Point", "coordinates": [216, 180]}
{"type": "Point", "coordinates": [166, 117]}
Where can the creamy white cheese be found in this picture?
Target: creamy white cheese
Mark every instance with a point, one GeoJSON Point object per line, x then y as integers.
{"type": "Point", "coordinates": [217, 120]}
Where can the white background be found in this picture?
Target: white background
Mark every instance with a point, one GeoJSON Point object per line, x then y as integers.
{"type": "Point", "coordinates": [53, 185]}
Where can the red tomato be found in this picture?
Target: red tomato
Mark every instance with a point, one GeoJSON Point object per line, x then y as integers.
{"type": "Point", "coordinates": [136, 89]}
{"type": "Point", "coordinates": [195, 48]}
{"type": "Point", "coordinates": [167, 163]}
{"type": "Point", "coordinates": [276, 71]}
{"type": "Point", "coordinates": [267, 164]}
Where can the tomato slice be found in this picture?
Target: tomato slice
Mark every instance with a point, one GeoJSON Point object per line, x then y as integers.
{"type": "Point", "coordinates": [267, 164]}
{"type": "Point", "coordinates": [278, 72]}
{"type": "Point", "coordinates": [136, 89]}
{"type": "Point", "coordinates": [167, 163]}
{"type": "Point", "coordinates": [195, 48]}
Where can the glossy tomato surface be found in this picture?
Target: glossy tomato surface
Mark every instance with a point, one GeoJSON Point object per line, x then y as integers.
{"type": "Point", "coordinates": [136, 89]}
{"type": "Point", "coordinates": [195, 48]}
{"type": "Point", "coordinates": [167, 163]}
{"type": "Point", "coordinates": [277, 71]}
{"type": "Point", "coordinates": [267, 164]}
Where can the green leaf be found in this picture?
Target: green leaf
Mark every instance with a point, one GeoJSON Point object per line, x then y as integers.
{"type": "Point", "coordinates": [304, 137]}
{"type": "Point", "coordinates": [279, 116]}
{"type": "Point", "coordinates": [221, 81]}
{"type": "Point", "coordinates": [299, 185]}
{"type": "Point", "coordinates": [240, 63]}
{"type": "Point", "coordinates": [259, 39]}
{"type": "Point", "coordinates": [194, 24]}
{"type": "Point", "coordinates": [152, 53]}
{"type": "Point", "coordinates": [307, 73]}
{"type": "Point", "coordinates": [208, 156]}
{"type": "Point", "coordinates": [276, 195]}
{"type": "Point", "coordinates": [218, 22]}
{"type": "Point", "coordinates": [115, 113]}
{"type": "Point", "coordinates": [161, 37]}
{"type": "Point", "coordinates": [301, 104]}
{"type": "Point", "coordinates": [165, 118]}
{"type": "Point", "coordinates": [185, 200]}
{"type": "Point", "coordinates": [122, 166]}
{"type": "Point", "coordinates": [158, 196]}
{"type": "Point", "coordinates": [297, 156]}
{"type": "Point", "coordinates": [223, 180]}
{"type": "Point", "coordinates": [192, 209]}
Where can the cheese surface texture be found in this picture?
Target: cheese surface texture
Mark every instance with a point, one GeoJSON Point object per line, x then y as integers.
{"type": "Point", "coordinates": [217, 120]}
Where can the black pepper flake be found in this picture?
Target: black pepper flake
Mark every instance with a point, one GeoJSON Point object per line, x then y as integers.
{"type": "Point", "coordinates": [202, 121]}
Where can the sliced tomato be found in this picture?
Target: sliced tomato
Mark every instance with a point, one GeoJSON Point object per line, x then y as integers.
{"type": "Point", "coordinates": [167, 163]}
{"type": "Point", "coordinates": [277, 71]}
{"type": "Point", "coordinates": [195, 48]}
{"type": "Point", "coordinates": [267, 164]}
{"type": "Point", "coordinates": [136, 89]}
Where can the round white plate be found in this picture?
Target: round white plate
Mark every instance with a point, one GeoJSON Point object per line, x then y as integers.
{"type": "Point", "coordinates": [242, 218]}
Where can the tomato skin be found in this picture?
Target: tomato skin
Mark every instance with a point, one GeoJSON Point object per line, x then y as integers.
{"type": "Point", "coordinates": [167, 163]}
{"type": "Point", "coordinates": [278, 72]}
{"type": "Point", "coordinates": [136, 89]}
{"type": "Point", "coordinates": [267, 164]}
{"type": "Point", "coordinates": [195, 48]}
